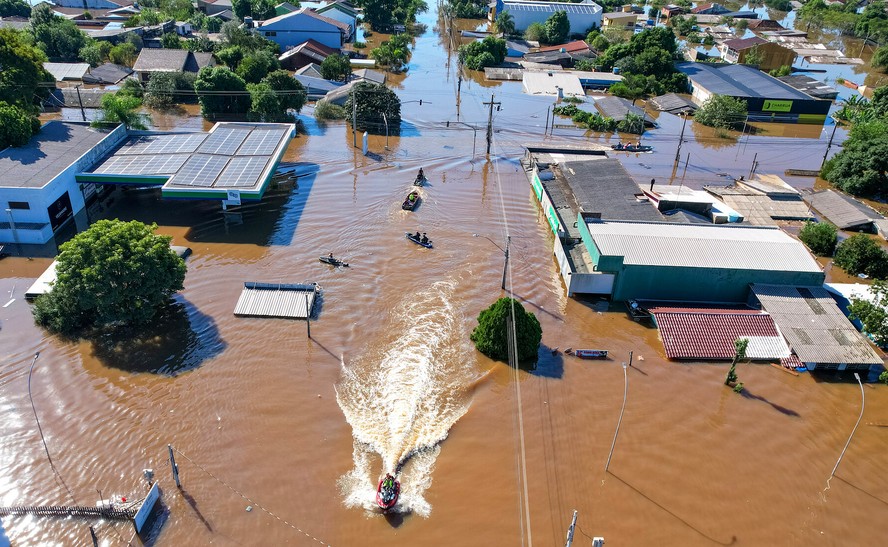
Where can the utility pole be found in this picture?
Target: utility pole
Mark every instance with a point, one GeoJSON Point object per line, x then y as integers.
{"type": "Point", "coordinates": [80, 100]}
{"type": "Point", "coordinates": [354, 119]}
{"type": "Point", "coordinates": [490, 121]}
{"type": "Point", "coordinates": [570, 530]}
{"type": "Point", "coordinates": [681, 137]}
{"type": "Point", "coordinates": [458, 87]}
{"type": "Point", "coordinates": [754, 164]}
{"type": "Point", "coordinates": [829, 144]}
{"type": "Point", "coordinates": [506, 263]}
{"type": "Point", "coordinates": [174, 467]}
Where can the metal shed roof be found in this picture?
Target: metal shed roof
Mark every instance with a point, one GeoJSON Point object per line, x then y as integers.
{"type": "Point", "coordinates": [702, 246]}
{"type": "Point", "coordinates": [739, 81]}
{"type": "Point", "coordinates": [814, 326]}
{"type": "Point", "coordinates": [673, 104]}
{"type": "Point", "coordinates": [843, 211]}
{"type": "Point", "coordinates": [67, 71]}
{"type": "Point", "coordinates": [617, 108]}
{"type": "Point", "coordinates": [276, 300]}
{"type": "Point", "coordinates": [710, 334]}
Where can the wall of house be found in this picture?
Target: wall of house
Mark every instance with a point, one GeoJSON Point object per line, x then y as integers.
{"type": "Point", "coordinates": [340, 16]}
{"type": "Point", "coordinates": [88, 4]}
{"type": "Point", "coordinates": [579, 22]}
{"type": "Point", "coordinates": [292, 31]}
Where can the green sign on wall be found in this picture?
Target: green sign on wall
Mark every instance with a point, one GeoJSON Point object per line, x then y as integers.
{"type": "Point", "coordinates": [552, 217]}
{"type": "Point", "coordinates": [537, 186]}
{"type": "Point", "coordinates": [777, 106]}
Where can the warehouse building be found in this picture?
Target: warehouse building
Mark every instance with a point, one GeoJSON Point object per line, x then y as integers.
{"type": "Point", "coordinates": [768, 99]}
{"type": "Point", "coordinates": [582, 16]}
{"type": "Point", "coordinates": [694, 263]}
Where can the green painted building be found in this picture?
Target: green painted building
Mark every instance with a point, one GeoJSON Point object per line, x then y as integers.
{"type": "Point", "coordinates": [694, 262]}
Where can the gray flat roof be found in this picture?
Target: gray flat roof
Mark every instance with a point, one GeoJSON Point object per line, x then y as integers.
{"type": "Point", "coordinates": [604, 186]}
{"type": "Point", "coordinates": [843, 211]}
{"type": "Point", "coordinates": [48, 153]}
{"type": "Point", "coordinates": [814, 326]}
{"type": "Point", "coordinates": [739, 81]}
{"type": "Point", "coordinates": [618, 107]}
{"type": "Point", "coordinates": [276, 300]}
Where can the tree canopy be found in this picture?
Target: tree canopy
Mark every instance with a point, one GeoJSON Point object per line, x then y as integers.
{"type": "Point", "coordinates": [256, 65]}
{"type": "Point", "coordinates": [113, 274]}
{"type": "Point", "coordinates": [491, 338]}
{"type": "Point", "coordinates": [370, 101]}
{"type": "Point", "coordinates": [393, 53]}
{"type": "Point", "coordinates": [820, 237]}
{"type": "Point", "coordinates": [861, 167]}
{"type": "Point", "coordinates": [14, 8]}
{"type": "Point", "coordinates": [479, 54]}
{"type": "Point", "coordinates": [58, 37]}
{"type": "Point", "coordinates": [861, 254]}
{"type": "Point", "coordinates": [21, 74]}
{"type": "Point", "coordinates": [336, 67]}
{"type": "Point", "coordinates": [211, 84]}
{"type": "Point", "coordinates": [121, 108]}
{"type": "Point", "coordinates": [873, 315]}
{"type": "Point", "coordinates": [557, 28]}
{"type": "Point", "coordinates": [722, 111]}
{"type": "Point", "coordinates": [16, 125]}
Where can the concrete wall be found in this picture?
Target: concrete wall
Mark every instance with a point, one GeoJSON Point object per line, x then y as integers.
{"type": "Point", "coordinates": [697, 284]}
{"type": "Point", "coordinates": [297, 28]}
{"type": "Point", "coordinates": [581, 283]}
{"type": "Point", "coordinates": [546, 203]}
{"type": "Point", "coordinates": [33, 224]}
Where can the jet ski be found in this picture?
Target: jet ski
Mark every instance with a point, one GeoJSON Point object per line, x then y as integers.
{"type": "Point", "coordinates": [387, 492]}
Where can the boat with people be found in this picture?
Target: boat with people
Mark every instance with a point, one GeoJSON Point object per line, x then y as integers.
{"type": "Point", "coordinates": [620, 147]}
{"type": "Point", "coordinates": [331, 260]}
{"type": "Point", "coordinates": [420, 178]}
{"type": "Point", "coordinates": [387, 492]}
{"type": "Point", "coordinates": [587, 353]}
{"type": "Point", "coordinates": [420, 239]}
{"type": "Point", "coordinates": [411, 201]}
{"type": "Point", "coordinates": [636, 311]}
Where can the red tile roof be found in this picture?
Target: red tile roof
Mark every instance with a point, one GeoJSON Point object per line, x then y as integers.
{"type": "Point", "coordinates": [710, 333]}
{"type": "Point", "coordinates": [739, 44]}
{"type": "Point", "coordinates": [570, 47]}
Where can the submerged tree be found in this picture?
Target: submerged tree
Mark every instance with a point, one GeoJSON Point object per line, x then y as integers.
{"type": "Point", "coordinates": [740, 346]}
{"type": "Point", "coordinates": [375, 107]}
{"type": "Point", "coordinates": [113, 274]}
{"type": "Point", "coordinates": [491, 335]}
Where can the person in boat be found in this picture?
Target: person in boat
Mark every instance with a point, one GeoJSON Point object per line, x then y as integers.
{"type": "Point", "coordinates": [330, 256]}
{"type": "Point", "coordinates": [420, 175]}
{"type": "Point", "coordinates": [638, 144]}
{"type": "Point", "coordinates": [416, 236]}
{"type": "Point", "coordinates": [619, 145]}
{"type": "Point", "coordinates": [424, 238]}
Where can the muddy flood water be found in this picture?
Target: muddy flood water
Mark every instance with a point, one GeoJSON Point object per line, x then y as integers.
{"type": "Point", "coordinates": [301, 429]}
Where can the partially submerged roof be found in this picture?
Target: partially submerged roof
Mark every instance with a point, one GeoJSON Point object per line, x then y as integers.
{"type": "Point", "coordinates": [282, 20]}
{"type": "Point", "coordinates": [738, 81]}
{"type": "Point", "coordinates": [618, 108]}
{"type": "Point", "coordinates": [373, 76]}
{"type": "Point", "coordinates": [311, 69]}
{"type": "Point", "coordinates": [310, 48]}
{"type": "Point", "coordinates": [691, 333]}
{"type": "Point", "coordinates": [674, 104]}
{"type": "Point", "coordinates": [161, 60]}
{"type": "Point", "coordinates": [702, 246]}
{"type": "Point", "coordinates": [67, 71]}
{"type": "Point", "coordinates": [809, 85]}
{"type": "Point", "coordinates": [576, 46]}
{"type": "Point", "coordinates": [843, 211]}
{"type": "Point", "coordinates": [547, 83]}
{"type": "Point", "coordinates": [56, 147]}
{"type": "Point", "coordinates": [739, 44]}
{"type": "Point", "coordinates": [290, 301]}
{"type": "Point", "coordinates": [108, 73]}
{"type": "Point", "coordinates": [814, 326]}
{"type": "Point", "coordinates": [603, 186]}
{"type": "Point", "coordinates": [551, 7]}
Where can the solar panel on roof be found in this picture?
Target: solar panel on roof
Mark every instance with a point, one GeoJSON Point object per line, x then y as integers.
{"type": "Point", "coordinates": [224, 140]}
{"type": "Point", "coordinates": [199, 170]}
{"type": "Point", "coordinates": [162, 144]}
{"type": "Point", "coordinates": [141, 165]}
{"type": "Point", "coordinates": [242, 172]}
{"type": "Point", "coordinates": [261, 142]}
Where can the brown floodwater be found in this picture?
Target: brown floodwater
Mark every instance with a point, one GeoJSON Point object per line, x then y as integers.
{"type": "Point", "coordinates": [304, 427]}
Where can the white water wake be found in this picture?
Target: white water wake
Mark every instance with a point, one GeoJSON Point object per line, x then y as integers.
{"type": "Point", "coordinates": [402, 397]}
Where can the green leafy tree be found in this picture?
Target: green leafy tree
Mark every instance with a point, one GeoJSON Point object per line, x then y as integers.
{"type": "Point", "coordinates": [628, 89]}
{"type": "Point", "coordinates": [221, 91]}
{"type": "Point", "coordinates": [535, 32]}
{"type": "Point", "coordinates": [722, 111]}
{"type": "Point", "coordinates": [17, 125]}
{"type": "Point", "coordinates": [754, 57]}
{"type": "Point", "coordinates": [113, 274]}
{"type": "Point", "coordinates": [820, 237]}
{"type": "Point", "coordinates": [257, 65]}
{"type": "Point", "coordinates": [325, 110]}
{"type": "Point", "coordinates": [784, 70]}
{"type": "Point", "coordinates": [58, 37]}
{"type": "Point", "coordinates": [584, 64]}
{"type": "Point", "coordinates": [557, 28]}
{"type": "Point", "coordinates": [264, 103]}
{"type": "Point", "coordinates": [779, 5]}
{"type": "Point", "coordinates": [263, 9]}
{"type": "Point", "coordinates": [241, 8]}
{"type": "Point", "coordinates": [120, 108]}
{"type": "Point", "coordinates": [880, 59]}
{"type": "Point", "coordinates": [170, 40]}
{"type": "Point", "coordinates": [369, 101]}
{"type": "Point", "coordinates": [336, 67]}
{"type": "Point", "coordinates": [505, 23]}
{"type": "Point", "coordinates": [133, 87]}
{"type": "Point", "coordinates": [380, 14]}
{"type": "Point", "coordinates": [21, 70]}
{"type": "Point", "coordinates": [123, 54]}
{"type": "Point", "coordinates": [200, 43]}
{"type": "Point", "coordinates": [231, 56]}
{"type": "Point", "coordinates": [393, 53]}
{"type": "Point", "coordinates": [166, 88]}
{"type": "Point", "coordinates": [600, 43]}
{"type": "Point", "coordinates": [873, 314]}
{"type": "Point", "coordinates": [95, 52]}
{"type": "Point", "coordinates": [290, 92]}
{"type": "Point", "coordinates": [740, 346]}
{"type": "Point", "coordinates": [479, 54]}
{"type": "Point", "coordinates": [14, 8]}
{"type": "Point", "coordinates": [861, 167]}
{"type": "Point", "coordinates": [491, 334]}
{"type": "Point", "coordinates": [861, 254]}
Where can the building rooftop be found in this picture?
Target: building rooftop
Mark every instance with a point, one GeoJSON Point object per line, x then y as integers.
{"type": "Point", "coordinates": [739, 44]}
{"type": "Point", "coordinates": [738, 81]}
{"type": "Point", "coordinates": [108, 73]}
{"type": "Point", "coordinates": [843, 211]}
{"type": "Point", "coordinates": [576, 46]}
{"type": "Point", "coordinates": [604, 186]}
{"type": "Point", "coordinates": [48, 153]}
{"type": "Point", "coordinates": [814, 326]}
{"type": "Point", "coordinates": [702, 246]}
{"type": "Point", "coordinates": [518, 5]}
{"type": "Point", "coordinates": [809, 85]}
{"type": "Point", "coordinates": [690, 333]}
{"type": "Point", "coordinates": [617, 108]}
{"type": "Point", "coordinates": [67, 71]}
{"type": "Point", "coordinates": [673, 103]}
{"type": "Point", "coordinates": [546, 83]}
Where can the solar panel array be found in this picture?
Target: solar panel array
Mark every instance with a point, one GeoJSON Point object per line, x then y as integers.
{"type": "Point", "coordinates": [141, 165]}
{"type": "Point", "coordinates": [547, 7]}
{"type": "Point", "coordinates": [232, 156]}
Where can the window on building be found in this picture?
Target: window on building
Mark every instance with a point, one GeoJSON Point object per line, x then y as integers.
{"type": "Point", "coordinates": [271, 33]}
{"type": "Point", "coordinates": [19, 205]}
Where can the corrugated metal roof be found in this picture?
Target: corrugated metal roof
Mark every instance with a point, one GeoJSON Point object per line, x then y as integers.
{"type": "Point", "coordinates": [843, 211]}
{"type": "Point", "coordinates": [67, 71]}
{"type": "Point", "coordinates": [814, 326]}
{"type": "Point", "coordinates": [702, 246]}
{"type": "Point", "coordinates": [738, 81]}
{"type": "Point", "coordinates": [710, 334]}
{"type": "Point", "coordinates": [276, 300]}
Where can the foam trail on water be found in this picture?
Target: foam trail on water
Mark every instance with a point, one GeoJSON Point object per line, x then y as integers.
{"type": "Point", "coordinates": [402, 397]}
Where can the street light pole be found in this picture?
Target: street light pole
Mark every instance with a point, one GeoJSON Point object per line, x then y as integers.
{"type": "Point", "coordinates": [620, 421]}
{"type": "Point", "coordinates": [506, 263]}
{"type": "Point", "coordinates": [385, 119]}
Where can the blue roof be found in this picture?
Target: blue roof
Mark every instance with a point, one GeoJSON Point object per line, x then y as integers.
{"type": "Point", "coordinates": [739, 81]}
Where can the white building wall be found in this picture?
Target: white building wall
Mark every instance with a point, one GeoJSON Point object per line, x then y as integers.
{"type": "Point", "coordinates": [39, 199]}
{"type": "Point", "coordinates": [579, 22]}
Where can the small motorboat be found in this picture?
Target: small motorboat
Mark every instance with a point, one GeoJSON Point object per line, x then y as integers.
{"type": "Point", "coordinates": [590, 353]}
{"type": "Point", "coordinates": [418, 240]}
{"type": "Point", "coordinates": [420, 179]}
{"type": "Point", "coordinates": [387, 492]}
{"type": "Point", "coordinates": [636, 311]}
{"type": "Point", "coordinates": [411, 201]}
{"type": "Point", "coordinates": [333, 261]}
{"type": "Point", "coordinates": [632, 148]}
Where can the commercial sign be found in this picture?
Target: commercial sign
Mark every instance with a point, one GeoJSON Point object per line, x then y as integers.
{"type": "Point", "coordinates": [537, 186]}
{"type": "Point", "coordinates": [234, 197]}
{"type": "Point", "coordinates": [777, 106]}
{"type": "Point", "coordinates": [59, 211]}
